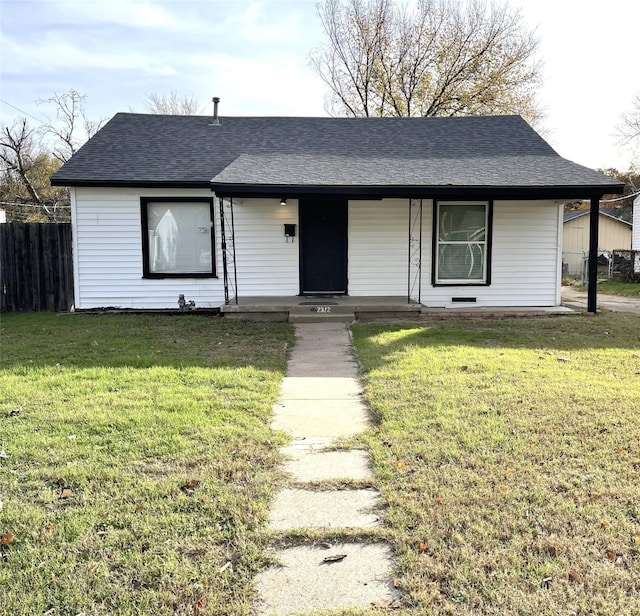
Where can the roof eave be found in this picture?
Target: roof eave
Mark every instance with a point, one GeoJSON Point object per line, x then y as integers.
{"type": "Point", "coordinates": [130, 183]}
{"type": "Point", "coordinates": [429, 192]}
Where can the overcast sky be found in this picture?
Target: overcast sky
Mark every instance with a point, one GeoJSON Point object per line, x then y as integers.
{"type": "Point", "coordinates": [254, 55]}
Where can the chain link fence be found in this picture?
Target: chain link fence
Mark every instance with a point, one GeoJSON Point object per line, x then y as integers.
{"type": "Point", "coordinates": [623, 265]}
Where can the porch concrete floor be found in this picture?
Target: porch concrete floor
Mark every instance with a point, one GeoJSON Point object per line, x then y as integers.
{"type": "Point", "coordinates": [385, 307]}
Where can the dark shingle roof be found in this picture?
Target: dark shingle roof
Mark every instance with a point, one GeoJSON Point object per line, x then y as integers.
{"type": "Point", "coordinates": [622, 215]}
{"type": "Point", "coordinates": [259, 154]}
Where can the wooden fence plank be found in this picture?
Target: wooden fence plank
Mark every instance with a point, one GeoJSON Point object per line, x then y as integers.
{"type": "Point", "coordinates": [36, 267]}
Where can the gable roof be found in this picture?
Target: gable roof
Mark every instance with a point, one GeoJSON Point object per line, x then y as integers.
{"type": "Point", "coordinates": [283, 156]}
{"type": "Point", "coordinates": [618, 214]}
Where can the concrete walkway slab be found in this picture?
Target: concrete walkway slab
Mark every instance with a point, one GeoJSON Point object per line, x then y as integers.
{"type": "Point", "coordinates": [307, 465]}
{"type": "Point", "coordinates": [320, 418]}
{"type": "Point", "coordinates": [320, 401]}
{"type": "Point", "coordinates": [320, 388]}
{"type": "Point", "coordinates": [339, 368]}
{"type": "Point", "coordinates": [304, 583]}
{"type": "Point", "coordinates": [331, 509]}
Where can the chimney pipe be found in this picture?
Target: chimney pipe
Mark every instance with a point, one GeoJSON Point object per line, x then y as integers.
{"type": "Point", "coordinates": [216, 120]}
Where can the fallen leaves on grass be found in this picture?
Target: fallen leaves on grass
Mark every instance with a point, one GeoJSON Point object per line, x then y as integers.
{"type": "Point", "coordinates": [422, 546]}
{"type": "Point", "coordinates": [189, 488]}
{"type": "Point", "coordinates": [614, 557]}
{"type": "Point", "coordinates": [7, 538]}
{"type": "Point", "coordinates": [66, 493]}
{"type": "Point", "coordinates": [401, 464]}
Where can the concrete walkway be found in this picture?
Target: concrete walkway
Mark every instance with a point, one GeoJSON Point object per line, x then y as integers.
{"type": "Point", "coordinates": [320, 401]}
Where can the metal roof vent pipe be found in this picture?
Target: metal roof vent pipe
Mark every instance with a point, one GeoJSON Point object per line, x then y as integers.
{"type": "Point", "coordinates": [216, 119]}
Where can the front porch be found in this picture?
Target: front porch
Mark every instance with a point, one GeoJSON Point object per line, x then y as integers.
{"type": "Point", "coordinates": [344, 308]}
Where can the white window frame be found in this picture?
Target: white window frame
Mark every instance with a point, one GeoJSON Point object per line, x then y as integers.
{"type": "Point", "coordinates": [484, 244]}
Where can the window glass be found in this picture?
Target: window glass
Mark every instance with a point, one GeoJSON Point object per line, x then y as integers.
{"type": "Point", "coordinates": [461, 244]}
{"type": "Point", "coordinates": [179, 238]}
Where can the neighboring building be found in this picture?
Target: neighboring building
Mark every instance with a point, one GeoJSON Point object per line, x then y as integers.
{"type": "Point", "coordinates": [445, 211]}
{"type": "Point", "coordinates": [614, 231]}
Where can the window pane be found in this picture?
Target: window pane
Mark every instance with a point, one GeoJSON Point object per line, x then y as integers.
{"type": "Point", "coordinates": [462, 223]}
{"type": "Point", "coordinates": [461, 262]}
{"type": "Point", "coordinates": [179, 238]}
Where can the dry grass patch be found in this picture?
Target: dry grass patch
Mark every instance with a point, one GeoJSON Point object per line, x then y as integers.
{"type": "Point", "coordinates": [507, 453]}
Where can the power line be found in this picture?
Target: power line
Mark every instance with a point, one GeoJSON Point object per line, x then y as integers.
{"type": "Point", "coordinates": [23, 111]}
{"type": "Point", "coordinates": [635, 194]}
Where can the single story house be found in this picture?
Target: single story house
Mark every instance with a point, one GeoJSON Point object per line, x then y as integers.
{"type": "Point", "coordinates": [438, 211]}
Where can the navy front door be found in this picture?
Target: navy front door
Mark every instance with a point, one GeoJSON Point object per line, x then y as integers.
{"type": "Point", "coordinates": [323, 246]}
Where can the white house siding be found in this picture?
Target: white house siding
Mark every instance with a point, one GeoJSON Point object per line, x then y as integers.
{"type": "Point", "coordinates": [378, 247]}
{"type": "Point", "coordinates": [267, 262]}
{"type": "Point", "coordinates": [108, 253]}
{"type": "Point", "coordinates": [525, 257]}
{"type": "Point", "coordinates": [635, 241]}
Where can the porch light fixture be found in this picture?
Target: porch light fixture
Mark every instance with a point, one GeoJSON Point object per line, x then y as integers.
{"type": "Point", "coordinates": [283, 201]}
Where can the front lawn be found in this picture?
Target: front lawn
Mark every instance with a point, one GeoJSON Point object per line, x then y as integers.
{"type": "Point", "coordinates": [136, 462]}
{"type": "Point", "coordinates": [508, 455]}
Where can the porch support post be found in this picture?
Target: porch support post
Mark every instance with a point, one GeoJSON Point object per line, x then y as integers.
{"type": "Point", "coordinates": [594, 222]}
{"type": "Point", "coordinates": [228, 249]}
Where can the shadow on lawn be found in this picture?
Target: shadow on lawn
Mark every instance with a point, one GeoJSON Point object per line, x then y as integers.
{"type": "Point", "coordinates": [140, 341]}
{"type": "Point", "coordinates": [558, 334]}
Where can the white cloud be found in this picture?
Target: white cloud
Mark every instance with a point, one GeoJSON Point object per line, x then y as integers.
{"type": "Point", "coordinates": [53, 53]}
{"type": "Point", "coordinates": [144, 14]}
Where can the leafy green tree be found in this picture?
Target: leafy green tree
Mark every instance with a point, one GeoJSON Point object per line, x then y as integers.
{"type": "Point", "coordinates": [440, 59]}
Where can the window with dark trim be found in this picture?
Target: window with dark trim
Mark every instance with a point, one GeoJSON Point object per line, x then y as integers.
{"type": "Point", "coordinates": [177, 237]}
{"type": "Point", "coordinates": [462, 243]}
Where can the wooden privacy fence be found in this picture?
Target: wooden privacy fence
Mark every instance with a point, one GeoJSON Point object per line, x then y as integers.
{"type": "Point", "coordinates": [36, 267]}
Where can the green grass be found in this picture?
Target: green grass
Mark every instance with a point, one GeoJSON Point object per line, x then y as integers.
{"type": "Point", "coordinates": [508, 457]}
{"type": "Point", "coordinates": [614, 287]}
{"type": "Point", "coordinates": [138, 463]}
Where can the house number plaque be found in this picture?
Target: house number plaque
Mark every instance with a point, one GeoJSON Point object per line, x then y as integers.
{"type": "Point", "coordinates": [322, 309]}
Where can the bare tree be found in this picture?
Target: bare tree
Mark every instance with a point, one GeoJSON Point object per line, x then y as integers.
{"type": "Point", "coordinates": [71, 127]}
{"type": "Point", "coordinates": [441, 59]}
{"type": "Point", "coordinates": [172, 104]}
{"type": "Point", "coordinates": [629, 128]}
{"type": "Point", "coordinates": [29, 156]}
{"type": "Point", "coordinates": [26, 169]}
